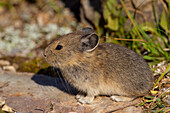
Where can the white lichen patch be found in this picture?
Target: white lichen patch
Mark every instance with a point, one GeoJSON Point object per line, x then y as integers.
{"type": "Point", "coordinates": [14, 40]}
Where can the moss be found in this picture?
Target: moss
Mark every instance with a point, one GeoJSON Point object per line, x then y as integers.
{"type": "Point", "coordinates": [33, 65]}
{"type": "Point", "coordinates": [26, 64]}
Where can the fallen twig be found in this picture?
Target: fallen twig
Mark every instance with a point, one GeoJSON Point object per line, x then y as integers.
{"type": "Point", "coordinates": [4, 84]}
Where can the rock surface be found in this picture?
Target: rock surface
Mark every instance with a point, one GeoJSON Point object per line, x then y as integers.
{"type": "Point", "coordinates": [26, 92]}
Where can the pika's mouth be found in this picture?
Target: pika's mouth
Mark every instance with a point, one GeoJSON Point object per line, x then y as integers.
{"type": "Point", "coordinates": [51, 58]}
{"type": "Point", "coordinates": [52, 61]}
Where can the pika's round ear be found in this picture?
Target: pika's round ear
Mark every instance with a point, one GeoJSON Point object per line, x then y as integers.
{"type": "Point", "coordinates": [90, 42]}
{"type": "Point", "coordinates": [87, 30]}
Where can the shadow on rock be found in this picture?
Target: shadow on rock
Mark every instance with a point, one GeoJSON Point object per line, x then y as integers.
{"type": "Point", "coordinates": [56, 81]}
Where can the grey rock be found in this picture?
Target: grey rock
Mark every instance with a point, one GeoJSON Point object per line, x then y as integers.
{"type": "Point", "coordinates": [28, 92]}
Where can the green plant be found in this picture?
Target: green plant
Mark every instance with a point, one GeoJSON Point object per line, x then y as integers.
{"type": "Point", "coordinates": [150, 37]}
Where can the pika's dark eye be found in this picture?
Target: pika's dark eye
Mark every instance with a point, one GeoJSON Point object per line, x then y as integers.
{"type": "Point", "coordinates": [59, 47]}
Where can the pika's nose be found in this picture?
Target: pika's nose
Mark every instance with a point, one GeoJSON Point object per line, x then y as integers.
{"type": "Point", "coordinates": [44, 53]}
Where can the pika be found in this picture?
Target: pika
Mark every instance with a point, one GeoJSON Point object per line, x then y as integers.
{"type": "Point", "coordinates": [99, 69]}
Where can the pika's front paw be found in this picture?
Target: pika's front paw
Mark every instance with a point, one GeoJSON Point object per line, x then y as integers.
{"type": "Point", "coordinates": [79, 95]}
{"type": "Point", "coordinates": [84, 99]}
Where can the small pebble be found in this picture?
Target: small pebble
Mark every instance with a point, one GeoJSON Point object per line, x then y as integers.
{"type": "Point", "coordinates": [2, 102]}
{"type": "Point", "coordinates": [8, 109]}
{"type": "Point", "coordinates": [4, 63]}
{"type": "Point", "coordinates": [9, 68]}
{"type": "Point", "coordinates": [167, 99]}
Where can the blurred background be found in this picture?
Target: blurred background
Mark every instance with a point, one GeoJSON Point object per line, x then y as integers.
{"type": "Point", "coordinates": [28, 26]}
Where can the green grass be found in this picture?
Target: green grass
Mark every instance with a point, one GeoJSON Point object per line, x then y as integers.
{"type": "Point", "coordinates": [138, 35]}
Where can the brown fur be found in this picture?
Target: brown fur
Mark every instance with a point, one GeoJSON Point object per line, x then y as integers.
{"type": "Point", "coordinates": [108, 69]}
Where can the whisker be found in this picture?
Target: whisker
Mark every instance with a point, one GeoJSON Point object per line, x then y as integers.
{"type": "Point", "coordinates": [67, 84]}
{"type": "Point", "coordinates": [63, 81]}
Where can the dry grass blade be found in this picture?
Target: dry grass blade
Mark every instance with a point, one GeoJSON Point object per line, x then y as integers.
{"type": "Point", "coordinates": [131, 19]}
{"type": "Point", "coordinates": [137, 40]}
{"type": "Point", "coordinates": [165, 72]}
